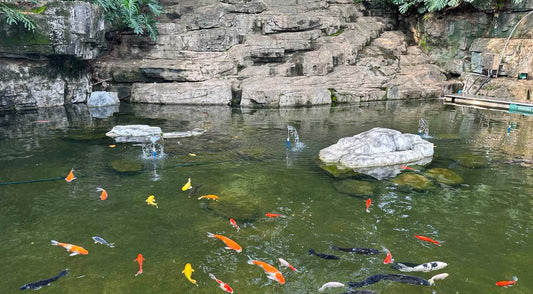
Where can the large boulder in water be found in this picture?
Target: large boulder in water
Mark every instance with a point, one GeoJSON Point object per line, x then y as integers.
{"type": "Point", "coordinates": [378, 147]}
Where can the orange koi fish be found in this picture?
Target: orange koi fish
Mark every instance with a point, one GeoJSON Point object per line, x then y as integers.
{"type": "Point", "coordinates": [285, 263]}
{"type": "Point", "coordinates": [230, 244]}
{"type": "Point", "coordinates": [271, 271]}
{"type": "Point", "coordinates": [507, 283]}
{"type": "Point", "coordinates": [234, 224]}
{"type": "Point", "coordinates": [222, 285]}
{"type": "Point", "coordinates": [368, 202]}
{"type": "Point", "coordinates": [272, 215]}
{"type": "Point", "coordinates": [427, 239]}
{"type": "Point", "coordinates": [389, 258]}
{"type": "Point", "coordinates": [140, 260]}
{"type": "Point", "coordinates": [103, 195]}
{"type": "Point", "coordinates": [209, 197]}
{"type": "Point", "coordinates": [70, 177]}
{"type": "Point", "coordinates": [74, 249]}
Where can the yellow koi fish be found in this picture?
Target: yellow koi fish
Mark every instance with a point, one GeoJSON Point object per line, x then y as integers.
{"type": "Point", "coordinates": [187, 271]}
{"type": "Point", "coordinates": [211, 197]}
{"type": "Point", "coordinates": [151, 201]}
{"type": "Point", "coordinates": [187, 185]}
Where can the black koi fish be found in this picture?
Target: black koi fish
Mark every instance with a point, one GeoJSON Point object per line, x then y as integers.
{"type": "Point", "coordinates": [411, 280]}
{"type": "Point", "coordinates": [37, 285]}
{"type": "Point", "coordinates": [194, 190]}
{"type": "Point", "coordinates": [322, 255]}
{"type": "Point", "coordinates": [365, 251]}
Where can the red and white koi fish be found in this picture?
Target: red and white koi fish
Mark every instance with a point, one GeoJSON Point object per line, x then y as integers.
{"type": "Point", "coordinates": [271, 271]}
{"type": "Point", "coordinates": [284, 263]}
{"type": "Point", "coordinates": [507, 283]}
{"type": "Point", "coordinates": [368, 202]}
{"type": "Point", "coordinates": [389, 258]}
{"type": "Point", "coordinates": [273, 215]}
{"type": "Point", "coordinates": [222, 285]}
{"type": "Point", "coordinates": [234, 224]}
{"type": "Point", "coordinates": [427, 239]}
{"type": "Point", "coordinates": [139, 260]}
{"type": "Point", "coordinates": [103, 194]}
{"type": "Point", "coordinates": [73, 249]}
{"type": "Point", "coordinates": [70, 177]}
{"type": "Point", "coordinates": [230, 244]}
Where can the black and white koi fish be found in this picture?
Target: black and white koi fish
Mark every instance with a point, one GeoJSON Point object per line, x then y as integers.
{"type": "Point", "coordinates": [322, 255]}
{"type": "Point", "coordinates": [102, 241]}
{"type": "Point", "coordinates": [424, 267]}
{"type": "Point", "coordinates": [411, 280]}
{"type": "Point", "coordinates": [365, 251]}
{"type": "Point", "coordinates": [37, 285]}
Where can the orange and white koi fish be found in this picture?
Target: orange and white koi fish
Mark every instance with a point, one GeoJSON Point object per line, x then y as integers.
{"type": "Point", "coordinates": [187, 185]}
{"type": "Point", "coordinates": [271, 271]}
{"type": "Point", "coordinates": [209, 197]}
{"type": "Point", "coordinates": [389, 258]}
{"type": "Point", "coordinates": [73, 249]}
{"type": "Point", "coordinates": [285, 263]}
{"type": "Point", "coordinates": [139, 260]}
{"type": "Point", "coordinates": [427, 239]}
{"type": "Point", "coordinates": [234, 224]}
{"type": "Point", "coordinates": [151, 201]}
{"type": "Point", "coordinates": [222, 285]}
{"type": "Point", "coordinates": [507, 283]}
{"type": "Point", "coordinates": [103, 194]}
{"type": "Point", "coordinates": [70, 177]}
{"type": "Point", "coordinates": [273, 215]}
{"type": "Point", "coordinates": [230, 244]}
{"type": "Point", "coordinates": [368, 202]}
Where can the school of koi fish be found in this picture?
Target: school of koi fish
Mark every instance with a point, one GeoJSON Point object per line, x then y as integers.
{"type": "Point", "coordinates": [271, 271]}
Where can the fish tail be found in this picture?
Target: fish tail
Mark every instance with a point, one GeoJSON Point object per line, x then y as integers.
{"type": "Point", "coordinates": [212, 276]}
{"type": "Point", "coordinates": [112, 245]}
{"type": "Point", "coordinates": [334, 247]}
{"type": "Point", "coordinates": [63, 273]}
{"type": "Point", "coordinates": [515, 278]}
{"type": "Point", "coordinates": [54, 242]}
{"type": "Point", "coordinates": [250, 260]}
{"type": "Point", "coordinates": [311, 251]}
{"type": "Point", "coordinates": [210, 235]}
{"type": "Point", "coordinates": [99, 189]}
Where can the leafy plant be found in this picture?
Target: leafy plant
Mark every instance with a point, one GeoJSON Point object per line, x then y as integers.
{"type": "Point", "coordinates": [423, 6]}
{"type": "Point", "coordinates": [138, 15]}
{"type": "Point", "coordinates": [14, 15]}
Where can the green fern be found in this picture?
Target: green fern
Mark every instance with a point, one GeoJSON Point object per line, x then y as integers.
{"type": "Point", "coordinates": [423, 6]}
{"type": "Point", "coordinates": [14, 16]}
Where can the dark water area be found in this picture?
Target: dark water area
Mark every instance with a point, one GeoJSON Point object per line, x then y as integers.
{"type": "Point", "coordinates": [484, 225]}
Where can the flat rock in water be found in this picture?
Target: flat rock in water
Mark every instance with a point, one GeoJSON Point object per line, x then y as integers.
{"type": "Point", "coordinates": [134, 133]}
{"type": "Point", "coordinates": [173, 135]}
{"type": "Point", "coordinates": [413, 181]}
{"type": "Point", "coordinates": [444, 176]}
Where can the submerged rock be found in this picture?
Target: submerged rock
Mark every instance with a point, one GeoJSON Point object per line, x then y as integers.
{"type": "Point", "coordinates": [236, 205]}
{"type": "Point", "coordinates": [126, 166]}
{"type": "Point", "coordinates": [355, 187]}
{"type": "Point", "coordinates": [471, 161]}
{"type": "Point", "coordinates": [444, 176]}
{"type": "Point", "coordinates": [413, 181]}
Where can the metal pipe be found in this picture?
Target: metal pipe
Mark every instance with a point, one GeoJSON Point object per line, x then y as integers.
{"type": "Point", "coordinates": [508, 38]}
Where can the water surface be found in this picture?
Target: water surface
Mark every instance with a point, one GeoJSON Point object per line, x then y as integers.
{"type": "Point", "coordinates": [484, 224]}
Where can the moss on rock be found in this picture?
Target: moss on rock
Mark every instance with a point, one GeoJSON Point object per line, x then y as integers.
{"type": "Point", "coordinates": [444, 176]}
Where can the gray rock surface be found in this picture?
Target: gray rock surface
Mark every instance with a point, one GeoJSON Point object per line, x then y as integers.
{"type": "Point", "coordinates": [375, 148]}
{"type": "Point", "coordinates": [133, 133]}
{"type": "Point", "coordinates": [102, 98]}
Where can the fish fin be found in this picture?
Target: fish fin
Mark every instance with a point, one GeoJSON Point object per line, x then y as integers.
{"type": "Point", "coordinates": [210, 235]}
{"type": "Point", "coordinates": [54, 242]}
{"type": "Point", "coordinates": [74, 253]}
{"type": "Point", "coordinates": [311, 251]}
{"type": "Point", "coordinates": [99, 189]}
{"type": "Point", "coordinates": [227, 247]}
{"type": "Point", "coordinates": [38, 287]}
{"type": "Point", "coordinates": [515, 278]}
{"type": "Point", "coordinates": [212, 276]}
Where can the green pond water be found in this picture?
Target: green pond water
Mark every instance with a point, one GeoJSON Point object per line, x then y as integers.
{"type": "Point", "coordinates": [484, 224]}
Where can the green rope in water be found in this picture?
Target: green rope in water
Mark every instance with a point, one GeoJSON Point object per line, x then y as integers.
{"type": "Point", "coordinates": [32, 181]}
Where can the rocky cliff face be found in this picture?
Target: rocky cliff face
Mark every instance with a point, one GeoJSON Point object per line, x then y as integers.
{"type": "Point", "coordinates": [48, 67]}
{"type": "Point", "coordinates": [271, 53]}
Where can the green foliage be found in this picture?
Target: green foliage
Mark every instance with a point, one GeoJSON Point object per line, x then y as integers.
{"type": "Point", "coordinates": [14, 15]}
{"type": "Point", "coordinates": [423, 6]}
{"type": "Point", "coordinates": [138, 15]}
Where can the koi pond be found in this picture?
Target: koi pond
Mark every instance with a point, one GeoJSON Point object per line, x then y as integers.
{"type": "Point", "coordinates": [483, 221]}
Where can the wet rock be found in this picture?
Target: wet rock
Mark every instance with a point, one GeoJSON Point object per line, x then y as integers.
{"type": "Point", "coordinates": [355, 187]}
{"type": "Point", "coordinates": [444, 176]}
{"type": "Point", "coordinates": [173, 135]}
{"type": "Point", "coordinates": [236, 203]}
{"type": "Point", "coordinates": [102, 98]}
{"type": "Point", "coordinates": [471, 161]}
{"type": "Point", "coordinates": [413, 181]}
{"type": "Point", "coordinates": [377, 147]}
{"type": "Point", "coordinates": [126, 166]}
{"type": "Point", "coordinates": [338, 172]}
{"type": "Point", "coordinates": [133, 133]}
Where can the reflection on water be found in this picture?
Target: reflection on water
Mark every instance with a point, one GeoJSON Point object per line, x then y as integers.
{"type": "Point", "coordinates": [484, 224]}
